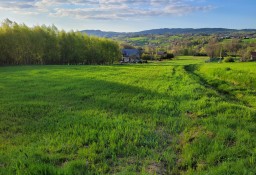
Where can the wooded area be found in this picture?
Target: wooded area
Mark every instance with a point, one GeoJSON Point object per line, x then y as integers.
{"type": "Point", "coordinates": [235, 45]}
{"type": "Point", "coordinates": [21, 45]}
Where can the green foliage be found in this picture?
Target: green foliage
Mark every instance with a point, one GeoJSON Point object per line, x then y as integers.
{"type": "Point", "coordinates": [169, 56]}
{"type": "Point", "coordinates": [175, 117]}
{"type": "Point", "coordinates": [127, 46]}
{"type": "Point", "coordinates": [213, 45]}
{"type": "Point", "coordinates": [20, 44]}
{"type": "Point", "coordinates": [146, 57]}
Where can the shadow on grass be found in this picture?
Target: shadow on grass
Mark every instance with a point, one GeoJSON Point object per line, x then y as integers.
{"type": "Point", "coordinates": [86, 94]}
{"type": "Point", "coordinates": [121, 98]}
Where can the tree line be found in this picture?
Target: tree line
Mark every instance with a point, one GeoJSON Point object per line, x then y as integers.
{"type": "Point", "coordinates": [233, 48]}
{"type": "Point", "coordinates": [21, 45]}
{"type": "Point", "coordinates": [215, 45]}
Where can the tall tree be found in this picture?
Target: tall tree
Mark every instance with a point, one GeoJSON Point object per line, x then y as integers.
{"type": "Point", "coordinates": [20, 44]}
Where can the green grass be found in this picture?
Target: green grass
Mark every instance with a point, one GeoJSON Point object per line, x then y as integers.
{"type": "Point", "coordinates": [251, 40]}
{"type": "Point", "coordinates": [138, 38]}
{"type": "Point", "coordinates": [176, 117]}
{"type": "Point", "coordinates": [160, 40]}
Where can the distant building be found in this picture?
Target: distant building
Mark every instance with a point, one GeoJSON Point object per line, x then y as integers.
{"type": "Point", "coordinates": [130, 55]}
{"type": "Point", "coordinates": [253, 56]}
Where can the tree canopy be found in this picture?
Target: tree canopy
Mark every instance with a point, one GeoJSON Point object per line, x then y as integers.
{"type": "Point", "coordinates": [20, 44]}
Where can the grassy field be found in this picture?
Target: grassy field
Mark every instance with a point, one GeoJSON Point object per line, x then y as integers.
{"type": "Point", "coordinates": [251, 40]}
{"type": "Point", "coordinates": [178, 117]}
{"type": "Point", "coordinates": [160, 40]}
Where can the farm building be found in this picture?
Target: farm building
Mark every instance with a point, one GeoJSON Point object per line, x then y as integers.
{"type": "Point", "coordinates": [253, 56]}
{"type": "Point", "coordinates": [130, 55]}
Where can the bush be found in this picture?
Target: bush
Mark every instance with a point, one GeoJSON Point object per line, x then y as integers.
{"type": "Point", "coordinates": [169, 56]}
{"type": "Point", "coordinates": [146, 57]}
{"type": "Point", "coordinates": [228, 69]}
{"type": "Point", "coordinates": [200, 54]}
{"type": "Point", "coordinates": [229, 59]}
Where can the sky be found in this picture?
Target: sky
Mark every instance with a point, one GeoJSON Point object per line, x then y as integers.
{"type": "Point", "coordinates": [131, 15]}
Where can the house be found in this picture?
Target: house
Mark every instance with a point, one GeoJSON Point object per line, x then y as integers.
{"type": "Point", "coordinates": [253, 56]}
{"type": "Point", "coordinates": [130, 55]}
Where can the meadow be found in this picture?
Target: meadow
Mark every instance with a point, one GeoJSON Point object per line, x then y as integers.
{"type": "Point", "coordinates": [173, 117]}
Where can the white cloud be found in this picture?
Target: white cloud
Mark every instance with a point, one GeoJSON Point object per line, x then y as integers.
{"type": "Point", "coordinates": [25, 7]}
{"type": "Point", "coordinates": [105, 9]}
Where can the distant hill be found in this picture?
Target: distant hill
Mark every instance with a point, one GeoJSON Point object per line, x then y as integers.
{"type": "Point", "coordinates": [100, 33]}
{"type": "Point", "coordinates": [172, 31]}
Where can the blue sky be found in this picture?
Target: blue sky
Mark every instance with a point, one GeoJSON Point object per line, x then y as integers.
{"type": "Point", "coordinates": [131, 15]}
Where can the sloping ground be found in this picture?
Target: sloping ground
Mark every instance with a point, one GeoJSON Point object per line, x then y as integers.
{"type": "Point", "coordinates": [163, 118]}
{"type": "Point", "coordinates": [236, 80]}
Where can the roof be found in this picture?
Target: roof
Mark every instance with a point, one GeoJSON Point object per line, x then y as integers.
{"type": "Point", "coordinates": [131, 52]}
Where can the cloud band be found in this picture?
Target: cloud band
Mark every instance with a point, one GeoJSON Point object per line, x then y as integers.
{"type": "Point", "coordinates": [105, 9]}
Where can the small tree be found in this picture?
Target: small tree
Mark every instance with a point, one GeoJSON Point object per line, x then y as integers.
{"type": "Point", "coordinates": [245, 54]}
{"type": "Point", "coordinates": [146, 56]}
{"type": "Point", "coordinates": [213, 49]}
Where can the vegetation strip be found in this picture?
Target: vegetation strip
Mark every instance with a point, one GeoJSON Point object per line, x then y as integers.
{"type": "Point", "coordinates": [21, 45]}
{"type": "Point", "coordinates": [191, 69]}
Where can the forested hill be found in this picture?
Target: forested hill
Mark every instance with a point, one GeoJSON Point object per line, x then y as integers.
{"type": "Point", "coordinates": [172, 31]}
{"type": "Point", "coordinates": [100, 33]}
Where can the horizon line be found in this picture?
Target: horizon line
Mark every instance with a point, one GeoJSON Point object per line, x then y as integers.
{"type": "Point", "coordinates": [170, 28]}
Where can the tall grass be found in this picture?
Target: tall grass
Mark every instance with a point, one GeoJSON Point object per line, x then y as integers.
{"type": "Point", "coordinates": [160, 118]}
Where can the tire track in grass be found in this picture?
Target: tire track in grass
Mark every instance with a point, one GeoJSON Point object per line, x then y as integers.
{"type": "Point", "coordinates": [180, 78]}
{"type": "Point", "coordinates": [164, 165]}
{"type": "Point", "coordinates": [190, 69]}
{"type": "Point", "coordinates": [196, 132]}
{"type": "Point", "coordinates": [182, 86]}
{"type": "Point", "coordinates": [168, 156]}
